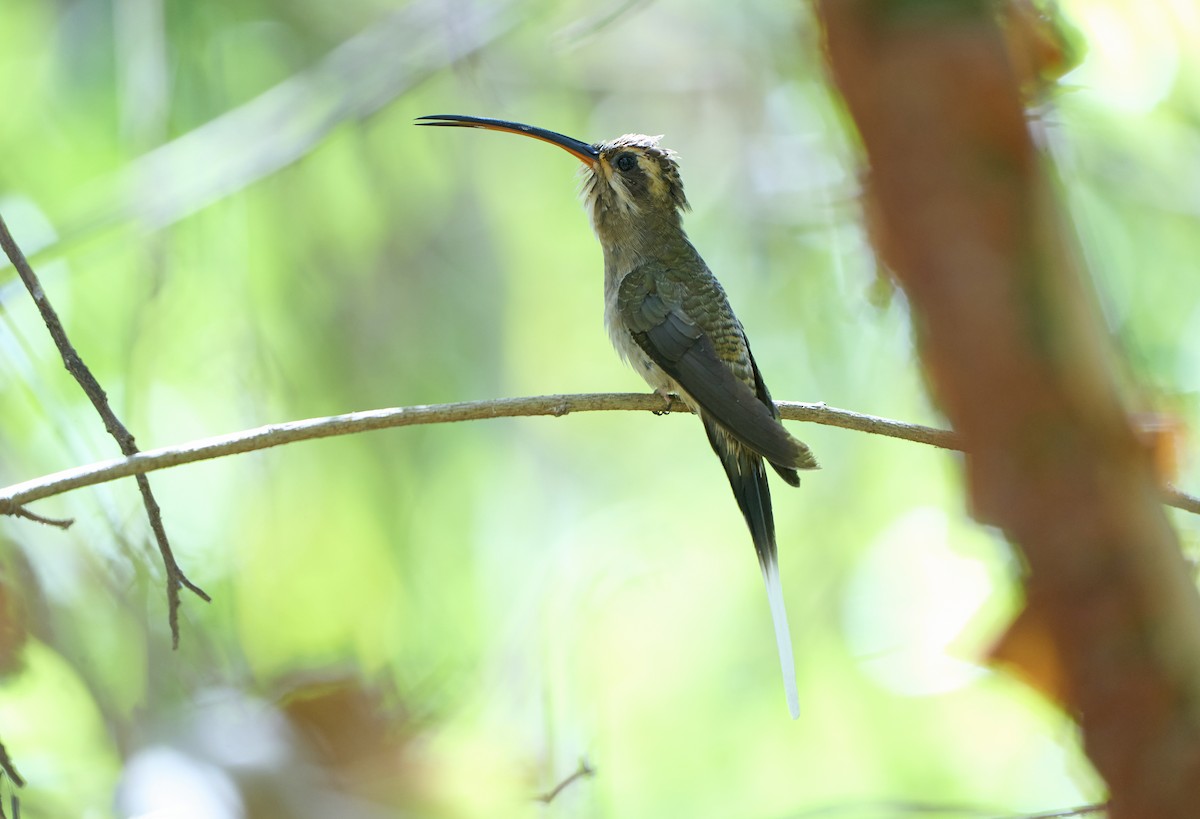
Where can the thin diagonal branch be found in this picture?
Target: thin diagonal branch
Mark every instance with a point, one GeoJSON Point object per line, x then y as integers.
{"type": "Point", "coordinates": [584, 771]}
{"type": "Point", "coordinates": [1082, 810]}
{"type": "Point", "coordinates": [14, 497]}
{"type": "Point", "coordinates": [95, 393]}
{"type": "Point", "coordinates": [61, 523]}
{"type": "Point", "coordinates": [10, 770]}
{"type": "Point", "coordinates": [930, 809]}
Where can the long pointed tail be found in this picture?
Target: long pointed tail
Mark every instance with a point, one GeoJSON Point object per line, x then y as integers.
{"type": "Point", "coordinates": [748, 479]}
{"type": "Point", "coordinates": [783, 636]}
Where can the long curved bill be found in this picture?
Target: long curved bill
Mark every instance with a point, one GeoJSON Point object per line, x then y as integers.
{"type": "Point", "coordinates": [581, 150]}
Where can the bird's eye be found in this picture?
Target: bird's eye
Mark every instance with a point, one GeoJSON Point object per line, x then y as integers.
{"type": "Point", "coordinates": [626, 162]}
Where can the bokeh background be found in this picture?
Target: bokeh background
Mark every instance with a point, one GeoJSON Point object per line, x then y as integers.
{"type": "Point", "coordinates": [229, 206]}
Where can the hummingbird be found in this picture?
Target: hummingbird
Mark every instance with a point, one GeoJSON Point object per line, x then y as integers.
{"type": "Point", "coordinates": [669, 317]}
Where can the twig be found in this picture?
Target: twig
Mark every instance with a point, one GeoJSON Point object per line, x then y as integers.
{"type": "Point", "coordinates": [1082, 810]}
{"type": "Point", "coordinates": [10, 770]}
{"type": "Point", "coordinates": [890, 808]}
{"type": "Point", "coordinates": [1180, 500]}
{"type": "Point", "coordinates": [929, 809]}
{"type": "Point", "coordinates": [264, 437]}
{"type": "Point", "coordinates": [91, 387]}
{"type": "Point", "coordinates": [61, 523]}
{"type": "Point", "coordinates": [584, 771]}
{"type": "Point", "coordinates": [857, 421]}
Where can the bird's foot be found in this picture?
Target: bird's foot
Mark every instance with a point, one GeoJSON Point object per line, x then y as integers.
{"type": "Point", "coordinates": [668, 398]}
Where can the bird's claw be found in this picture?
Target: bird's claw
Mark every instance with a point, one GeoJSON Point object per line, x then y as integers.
{"type": "Point", "coordinates": [668, 400]}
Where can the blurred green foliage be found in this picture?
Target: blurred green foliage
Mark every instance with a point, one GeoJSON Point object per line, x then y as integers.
{"type": "Point", "coordinates": [443, 620]}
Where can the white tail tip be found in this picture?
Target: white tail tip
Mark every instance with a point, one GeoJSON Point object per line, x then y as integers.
{"type": "Point", "coordinates": [783, 637]}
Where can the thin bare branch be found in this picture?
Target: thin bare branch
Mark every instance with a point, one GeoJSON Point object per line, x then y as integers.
{"type": "Point", "coordinates": [15, 496]}
{"type": "Point", "coordinates": [929, 809]}
{"type": "Point", "coordinates": [61, 523]}
{"type": "Point", "coordinates": [1180, 500]}
{"type": "Point", "coordinates": [584, 771]}
{"type": "Point", "coordinates": [10, 770]}
{"type": "Point", "coordinates": [857, 421]}
{"type": "Point", "coordinates": [1082, 810]}
{"type": "Point", "coordinates": [95, 393]}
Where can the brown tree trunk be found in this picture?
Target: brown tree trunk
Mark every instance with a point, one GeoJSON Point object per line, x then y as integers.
{"type": "Point", "coordinates": [963, 213]}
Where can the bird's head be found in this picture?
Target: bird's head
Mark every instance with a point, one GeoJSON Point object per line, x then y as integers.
{"type": "Point", "coordinates": [631, 183]}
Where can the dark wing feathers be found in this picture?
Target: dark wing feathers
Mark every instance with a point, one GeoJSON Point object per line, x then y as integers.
{"type": "Point", "coordinates": [674, 335]}
{"type": "Point", "coordinates": [681, 347]}
{"type": "Point", "coordinates": [748, 480]}
{"type": "Point", "coordinates": [788, 473]}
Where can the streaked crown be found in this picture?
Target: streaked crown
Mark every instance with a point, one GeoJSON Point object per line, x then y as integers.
{"type": "Point", "coordinates": [633, 177]}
